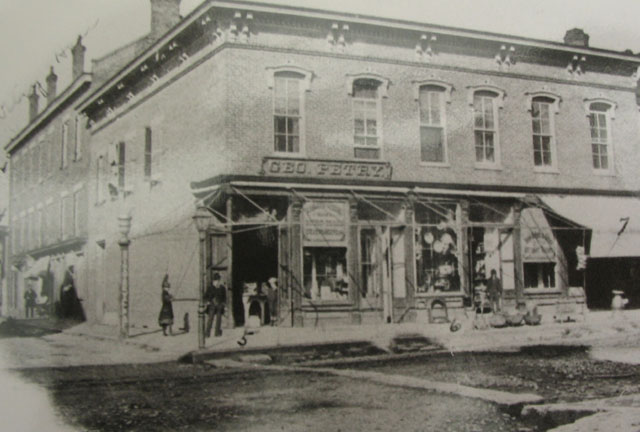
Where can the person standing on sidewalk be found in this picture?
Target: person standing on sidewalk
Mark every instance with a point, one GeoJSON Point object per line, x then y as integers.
{"type": "Point", "coordinates": [30, 301]}
{"type": "Point", "coordinates": [494, 290]}
{"type": "Point", "coordinates": [165, 319]}
{"type": "Point", "coordinates": [216, 297]}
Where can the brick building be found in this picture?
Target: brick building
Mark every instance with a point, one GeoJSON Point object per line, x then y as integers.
{"type": "Point", "coordinates": [378, 169]}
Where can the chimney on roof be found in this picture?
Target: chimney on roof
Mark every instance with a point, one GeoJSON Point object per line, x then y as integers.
{"type": "Point", "coordinates": [576, 37]}
{"type": "Point", "coordinates": [52, 84]}
{"type": "Point", "coordinates": [77, 53]}
{"type": "Point", "coordinates": [164, 15]}
{"type": "Point", "coordinates": [33, 103]}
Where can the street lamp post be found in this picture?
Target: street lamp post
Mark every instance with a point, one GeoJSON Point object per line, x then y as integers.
{"type": "Point", "coordinates": [201, 220]}
{"type": "Point", "coordinates": [124, 226]}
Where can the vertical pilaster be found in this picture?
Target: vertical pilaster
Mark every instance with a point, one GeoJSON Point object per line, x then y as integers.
{"type": "Point", "coordinates": [410, 257]}
{"type": "Point", "coordinates": [295, 256]}
{"type": "Point", "coordinates": [463, 246]}
{"type": "Point", "coordinates": [229, 282]}
{"type": "Point", "coordinates": [517, 252]}
{"type": "Point", "coordinates": [353, 261]}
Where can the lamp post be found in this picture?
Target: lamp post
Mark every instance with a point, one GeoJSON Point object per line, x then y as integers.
{"type": "Point", "coordinates": [124, 226]}
{"type": "Point", "coordinates": [201, 220]}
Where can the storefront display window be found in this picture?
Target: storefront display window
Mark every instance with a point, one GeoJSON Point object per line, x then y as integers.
{"type": "Point", "coordinates": [325, 274]}
{"type": "Point", "coordinates": [539, 275]}
{"type": "Point", "coordinates": [436, 245]}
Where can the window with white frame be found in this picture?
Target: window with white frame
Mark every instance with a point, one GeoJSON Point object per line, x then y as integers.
{"type": "Point", "coordinates": [542, 122]}
{"type": "Point", "coordinates": [600, 115]}
{"type": "Point", "coordinates": [77, 148]}
{"type": "Point", "coordinates": [485, 107]}
{"type": "Point", "coordinates": [432, 124]}
{"type": "Point", "coordinates": [100, 179]}
{"type": "Point", "coordinates": [44, 159]}
{"type": "Point", "coordinates": [148, 153]}
{"type": "Point", "coordinates": [64, 145]}
{"type": "Point", "coordinates": [287, 111]}
{"type": "Point", "coordinates": [367, 124]}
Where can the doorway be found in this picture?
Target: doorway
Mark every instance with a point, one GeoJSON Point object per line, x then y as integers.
{"type": "Point", "coordinates": [254, 261]}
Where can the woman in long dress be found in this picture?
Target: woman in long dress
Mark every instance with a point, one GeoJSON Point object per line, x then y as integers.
{"type": "Point", "coordinates": [165, 319]}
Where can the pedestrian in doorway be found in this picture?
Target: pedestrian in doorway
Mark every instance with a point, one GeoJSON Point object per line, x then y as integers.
{"type": "Point", "coordinates": [272, 299]}
{"type": "Point", "coordinates": [216, 297]}
{"type": "Point", "coordinates": [165, 319]}
{"type": "Point", "coordinates": [30, 301]}
{"type": "Point", "coordinates": [494, 289]}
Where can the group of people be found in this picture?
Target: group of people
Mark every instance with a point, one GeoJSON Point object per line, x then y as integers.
{"type": "Point", "coordinates": [215, 298]}
{"type": "Point", "coordinates": [69, 305]}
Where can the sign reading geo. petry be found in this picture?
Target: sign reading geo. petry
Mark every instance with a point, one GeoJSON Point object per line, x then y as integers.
{"type": "Point", "coordinates": [360, 170]}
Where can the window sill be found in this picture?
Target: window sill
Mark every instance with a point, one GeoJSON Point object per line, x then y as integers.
{"type": "Point", "coordinates": [326, 304]}
{"type": "Point", "coordinates": [541, 170]}
{"type": "Point", "coordinates": [435, 164]}
{"type": "Point", "coordinates": [293, 155]}
{"type": "Point", "coordinates": [493, 167]}
{"type": "Point", "coordinates": [550, 291]}
{"type": "Point", "coordinates": [439, 294]}
{"type": "Point", "coordinates": [604, 173]}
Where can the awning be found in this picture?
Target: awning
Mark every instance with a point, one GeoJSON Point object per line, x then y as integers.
{"type": "Point", "coordinates": [614, 221]}
{"type": "Point", "coordinates": [38, 267]}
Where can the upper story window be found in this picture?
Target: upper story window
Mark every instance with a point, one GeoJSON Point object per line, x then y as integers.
{"type": "Point", "coordinates": [100, 179]}
{"type": "Point", "coordinates": [543, 109]}
{"type": "Point", "coordinates": [287, 111]}
{"type": "Point", "coordinates": [289, 84]}
{"type": "Point", "coordinates": [64, 145]}
{"type": "Point", "coordinates": [431, 101]}
{"type": "Point", "coordinates": [148, 153]}
{"type": "Point", "coordinates": [600, 115]}
{"type": "Point", "coordinates": [77, 148]}
{"type": "Point", "coordinates": [121, 164]}
{"type": "Point", "coordinates": [485, 107]}
{"type": "Point", "coordinates": [367, 122]}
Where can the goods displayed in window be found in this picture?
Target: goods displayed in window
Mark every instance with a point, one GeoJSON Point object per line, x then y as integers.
{"type": "Point", "coordinates": [325, 274]}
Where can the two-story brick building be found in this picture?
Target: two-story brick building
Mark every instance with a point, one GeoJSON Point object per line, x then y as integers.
{"type": "Point", "coordinates": [378, 169]}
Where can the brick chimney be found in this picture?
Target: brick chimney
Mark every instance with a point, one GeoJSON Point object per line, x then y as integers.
{"type": "Point", "coordinates": [77, 54]}
{"type": "Point", "coordinates": [33, 103]}
{"type": "Point", "coordinates": [164, 15]}
{"type": "Point", "coordinates": [576, 37]}
{"type": "Point", "coordinates": [52, 84]}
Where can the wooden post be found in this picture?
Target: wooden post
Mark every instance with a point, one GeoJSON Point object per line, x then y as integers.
{"type": "Point", "coordinates": [295, 256]}
{"type": "Point", "coordinates": [517, 253]}
{"type": "Point", "coordinates": [229, 282]}
{"type": "Point", "coordinates": [463, 248]}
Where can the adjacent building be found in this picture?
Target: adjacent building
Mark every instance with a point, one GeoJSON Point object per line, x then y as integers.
{"type": "Point", "coordinates": [378, 169]}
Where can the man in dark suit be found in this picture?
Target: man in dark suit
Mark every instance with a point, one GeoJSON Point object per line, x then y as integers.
{"type": "Point", "coordinates": [216, 297]}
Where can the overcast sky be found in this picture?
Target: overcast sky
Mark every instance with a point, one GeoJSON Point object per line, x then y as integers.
{"type": "Point", "coordinates": [32, 32]}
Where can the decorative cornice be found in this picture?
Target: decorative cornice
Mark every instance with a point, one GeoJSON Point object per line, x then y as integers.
{"type": "Point", "coordinates": [448, 88]}
{"type": "Point", "coordinates": [532, 95]}
{"type": "Point", "coordinates": [384, 82]}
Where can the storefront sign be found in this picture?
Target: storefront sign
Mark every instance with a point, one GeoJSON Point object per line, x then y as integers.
{"type": "Point", "coordinates": [286, 167]}
{"type": "Point", "coordinates": [539, 246]}
{"type": "Point", "coordinates": [324, 223]}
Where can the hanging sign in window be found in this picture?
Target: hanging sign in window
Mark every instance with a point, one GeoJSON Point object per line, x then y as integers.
{"type": "Point", "coordinates": [288, 167]}
{"type": "Point", "coordinates": [324, 223]}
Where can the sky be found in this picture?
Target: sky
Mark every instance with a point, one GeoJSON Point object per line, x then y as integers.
{"type": "Point", "coordinates": [37, 34]}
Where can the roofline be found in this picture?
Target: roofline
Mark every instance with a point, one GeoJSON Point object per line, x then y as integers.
{"type": "Point", "coordinates": [199, 187]}
{"type": "Point", "coordinates": [414, 25]}
{"type": "Point", "coordinates": [50, 108]}
{"type": "Point", "coordinates": [354, 18]}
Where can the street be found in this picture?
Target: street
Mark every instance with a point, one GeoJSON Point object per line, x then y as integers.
{"type": "Point", "coordinates": [173, 396]}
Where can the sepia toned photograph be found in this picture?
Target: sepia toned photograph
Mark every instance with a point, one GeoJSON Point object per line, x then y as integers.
{"type": "Point", "coordinates": [320, 215]}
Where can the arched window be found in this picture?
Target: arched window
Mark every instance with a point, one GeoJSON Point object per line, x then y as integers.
{"type": "Point", "coordinates": [600, 114]}
{"type": "Point", "coordinates": [543, 130]}
{"type": "Point", "coordinates": [485, 112]}
{"type": "Point", "coordinates": [367, 124]}
{"type": "Point", "coordinates": [431, 101]}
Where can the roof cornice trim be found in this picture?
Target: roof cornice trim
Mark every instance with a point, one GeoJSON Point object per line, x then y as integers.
{"type": "Point", "coordinates": [58, 101]}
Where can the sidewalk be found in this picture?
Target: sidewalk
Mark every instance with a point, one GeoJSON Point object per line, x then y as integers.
{"type": "Point", "coordinates": [596, 326]}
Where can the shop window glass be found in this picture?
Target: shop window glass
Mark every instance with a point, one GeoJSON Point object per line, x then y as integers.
{"type": "Point", "coordinates": [539, 275]}
{"type": "Point", "coordinates": [436, 241]}
{"type": "Point", "coordinates": [325, 274]}
{"type": "Point", "coordinates": [370, 286]}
